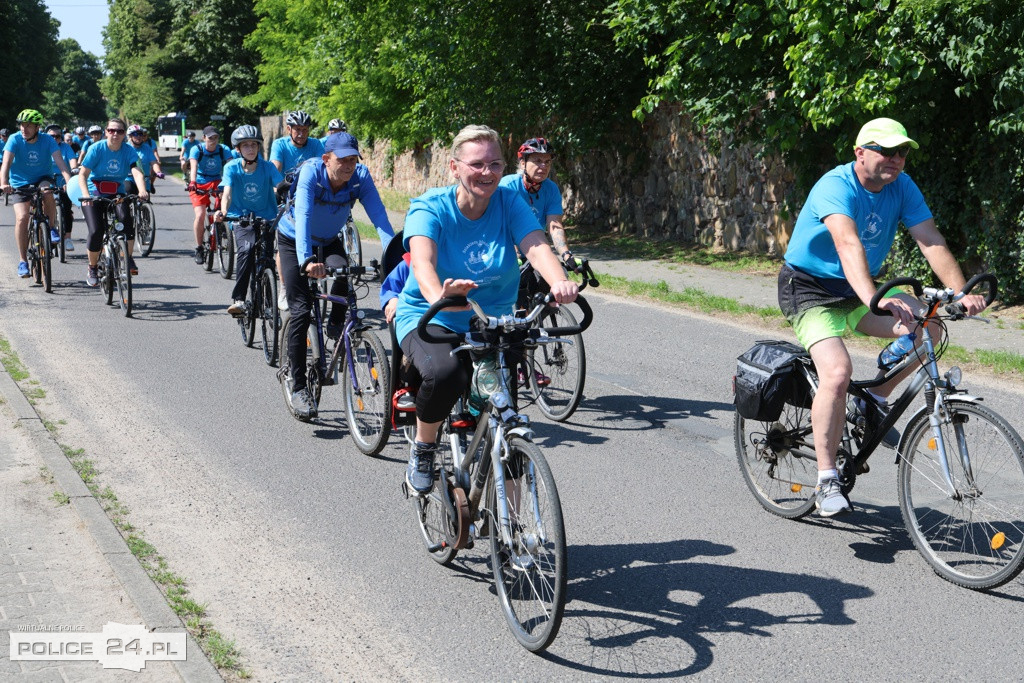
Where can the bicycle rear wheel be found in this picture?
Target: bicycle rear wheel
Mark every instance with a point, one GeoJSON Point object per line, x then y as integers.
{"type": "Point", "coordinates": [211, 248]}
{"type": "Point", "coordinates": [368, 393]}
{"type": "Point", "coordinates": [529, 571]}
{"type": "Point", "coordinates": [61, 229]}
{"type": "Point", "coordinates": [270, 318]}
{"type": "Point", "coordinates": [145, 228]}
{"type": "Point", "coordinates": [556, 372]}
{"type": "Point", "coordinates": [225, 251]}
{"type": "Point", "coordinates": [123, 277]}
{"type": "Point", "coordinates": [778, 462]}
{"type": "Point", "coordinates": [975, 538]}
{"type": "Point", "coordinates": [105, 270]}
{"type": "Point", "coordinates": [247, 323]}
{"type": "Point", "coordinates": [436, 526]}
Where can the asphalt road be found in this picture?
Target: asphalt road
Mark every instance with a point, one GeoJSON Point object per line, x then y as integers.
{"type": "Point", "coordinates": [307, 554]}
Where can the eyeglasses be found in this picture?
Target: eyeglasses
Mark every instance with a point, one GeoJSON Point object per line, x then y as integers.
{"type": "Point", "coordinates": [889, 152]}
{"type": "Point", "coordinates": [495, 167]}
{"type": "Point", "coordinates": [116, 131]}
{"type": "Point", "coordinates": [135, 135]}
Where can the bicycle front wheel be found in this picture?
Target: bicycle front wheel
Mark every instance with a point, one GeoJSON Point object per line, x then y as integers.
{"type": "Point", "coordinates": [556, 372]}
{"type": "Point", "coordinates": [975, 537]}
{"type": "Point", "coordinates": [247, 323]}
{"type": "Point", "coordinates": [211, 248]}
{"type": "Point", "coordinates": [45, 255]}
{"type": "Point", "coordinates": [368, 393]}
{"type": "Point", "coordinates": [123, 277]}
{"type": "Point", "coordinates": [778, 462]}
{"type": "Point", "coordinates": [353, 244]}
{"type": "Point", "coordinates": [270, 319]}
{"type": "Point", "coordinates": [530, 568]}
{"type": "Point", "coordinates": [225, 251]}
{"type": "Point", "coordinates": [145, 228]}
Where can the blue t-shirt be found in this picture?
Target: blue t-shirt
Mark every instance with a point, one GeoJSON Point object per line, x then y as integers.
{"type": "Point", "coordinates": [877, 215]}
{"type": "Point", "coordinates": [78, 140]}
{"type": "Point", "coordinates": [290, 156]}
{"type": "Point", "coordinates": [187, 147]}
{"type": "Point", "coordinates": [146, 159]}
{"type": "Point", "coordinates": [317, 214]}
{"type": "Point", "coordinates": [547, 201]}
{"type": "Point", "coordinates": [483, 250]}
{"type": "Point", "coordinates": [394, 282]}
{"type": "Point", "coordinates": [252, 192]}
{"type": "Point", "coordinates": [210, 165]}
{"type": "Point", "coordinates": [32, 161]}
{"type": "Point", "coordinates": [68, 155]}
{"type": "Point", "coordinates": [105, 164]}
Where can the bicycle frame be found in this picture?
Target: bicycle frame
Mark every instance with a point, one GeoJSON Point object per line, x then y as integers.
{"type": "Point", "coordinates": [353, 318]}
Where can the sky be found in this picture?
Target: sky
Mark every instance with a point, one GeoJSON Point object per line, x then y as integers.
{"type": "Point", "coordinates": [82, 20]}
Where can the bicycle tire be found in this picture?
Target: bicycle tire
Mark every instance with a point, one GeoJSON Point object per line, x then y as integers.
{"type": "Point", "coordinates": [123, 277]}
{"type": "Point", "coordinates": [225, 251]}
{"type": "Point", "coordinates": [563, 365]}
{"type": "Point", "coordinates": [314, 380]}
{"type": "Point", "coordinates": [977, 541]}
{"type": "Point", "coordinates": [368, 413]}
{"type": "Point", "coordinates": [247, 323]}
{"type": "Point", "coordinates": [145, 229]}
{"type": "Point", "coordinates": [211, 248]}
{"type": "Point", "coordinates": [46, 254]}
{"type": "Point", "coordinates": [106, 279]}
{"type": "Point", "coordinates": [353, 243]}
{"type": "Point", "coordinates": [61, 230]}
{"type": "Point", "coordinates": [778, 462]}
{"type": "Point", "coordinates": [270, 317]}
{"type": "Point", "coordinates": [436, 527]}
{"type": "Point", "coordinates": [530, 575]}
{"type": "Point", "coordinates": [34, 247]}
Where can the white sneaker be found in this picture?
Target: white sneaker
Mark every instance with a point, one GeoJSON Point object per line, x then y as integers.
{"type": "Point", "coordinates": [68, 244]}
{"type": "Point", "coordinates": [282, 300]}
{"type": "Point", "coordinates": [237, 309]}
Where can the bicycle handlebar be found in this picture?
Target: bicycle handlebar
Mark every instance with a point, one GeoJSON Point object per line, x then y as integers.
{"type": "Point", "coordinates": [460, 301]}
{"type": "Point", "coordinates": [919, 291]}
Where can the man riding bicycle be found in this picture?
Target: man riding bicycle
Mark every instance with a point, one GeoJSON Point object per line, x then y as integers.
{"type": "Point", "coordinates": [28, 158]}
{"type": "Point", "coordinates": [206, 164]}
{"type": "Point", "coordinates": [287, 153]}
{"type": "Point", "coordinates": [71, 159]}
{"type": "Point", "coordinates": [842, 237]}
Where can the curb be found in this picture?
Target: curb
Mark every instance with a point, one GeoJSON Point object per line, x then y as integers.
{"type": "Point", "coordinates": [144, 594]}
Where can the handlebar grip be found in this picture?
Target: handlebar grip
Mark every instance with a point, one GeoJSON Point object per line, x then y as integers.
{"type": "Point", "coordinates": [444, 338]}
{"type": "Point", "coordinates": [897, 282]}
{"type": "Point", "coordinates": [993, 289]}
{"type": "Point", "coordinates": [588, 317]}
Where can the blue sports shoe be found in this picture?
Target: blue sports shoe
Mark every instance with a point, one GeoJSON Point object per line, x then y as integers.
{"type": "Point", "coordinates": [22, 268]}
{"type": "Point", "coordinates": [420, 472]}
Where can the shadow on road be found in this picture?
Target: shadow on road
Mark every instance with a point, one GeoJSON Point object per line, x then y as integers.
{"type": "Point", "coordinates": [648, 610]}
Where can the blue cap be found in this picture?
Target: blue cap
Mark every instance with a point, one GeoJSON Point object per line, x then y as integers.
{"type": "Point", "coordinates": [343, 145]}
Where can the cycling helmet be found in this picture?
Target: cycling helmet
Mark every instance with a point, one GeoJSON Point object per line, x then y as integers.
{"type": "Point", "coordinates": [534, 146]}
{"type": "Point", "coordinates": [338, 125]}
{"type": "Point", "coordinates": [243, 133]}
{"type": "Point", "coordinates": [56, 127]}
{"type": "Point", "coordinates": [30, 116]}
{"type": "Point", "coordinates": [80, 130]}
{"type": "Point", "coordinates": [298, 118]}
{"type": "Point", "coordinates": [95, 129]}
{"type": "Point", "coordinates": [134, 128]}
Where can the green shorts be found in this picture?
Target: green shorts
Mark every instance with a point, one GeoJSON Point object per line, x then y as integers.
{"type": "Point", "coordinates": [822, 322]}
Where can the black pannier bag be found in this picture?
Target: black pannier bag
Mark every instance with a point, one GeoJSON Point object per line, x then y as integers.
{"type": "Point", "coordinates": [767, 377]}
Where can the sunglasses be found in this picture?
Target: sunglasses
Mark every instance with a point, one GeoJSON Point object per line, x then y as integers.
{"type": "Point", "coordinates": [116, 131]}
{"type": "Point", "coordinates": [889, 152]}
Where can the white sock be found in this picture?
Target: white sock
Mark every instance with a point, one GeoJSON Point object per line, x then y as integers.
{"type": "Point", "coordinates": [824, 475]}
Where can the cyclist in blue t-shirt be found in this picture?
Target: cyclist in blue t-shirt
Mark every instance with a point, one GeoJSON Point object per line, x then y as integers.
{"type": "Point", "coordinates": [288, 152]}
{"type": "Point", "coordinates": [70, 158]}
{"type": "Point", "coordinates": [540, 191]}
{"type": "Point", "coordinates": [186, 148]}
{"type": "Point", "coordinates": [149, 162]}
{"type": "Point", "coordinates": [206, 165]}
{"type": "Point", "coordinates": [334, 126]}
{"type": "Point", "coordinates": [463, 240]}
{"type": "Point", "coordinates": [95, 134]}
{"type": "Point", "coordinates": [249, 183]}
{"type": "Point", "coordinates": [842, 236]}
{"type": "Point", "coordinates": [28, 158]}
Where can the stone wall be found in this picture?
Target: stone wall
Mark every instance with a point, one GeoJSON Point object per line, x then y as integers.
{"type": "Point", "coordinates": [675, 189]}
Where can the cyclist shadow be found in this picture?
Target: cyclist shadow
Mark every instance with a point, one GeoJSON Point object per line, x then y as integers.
{"type": "Point", "coordinates": [632, 605]}
{"type": "Point", "coordinates": [634, 413]}
{"type": "Point", "coordinates": [878, 530]}
{"type": "Point", "coordinates": [149, 310]}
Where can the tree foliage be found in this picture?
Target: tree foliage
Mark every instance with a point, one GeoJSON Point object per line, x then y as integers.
{"type": "Point", "coordinates": [29, 34]}
{"type": "Point", "coordinates": [136, 60]}
{"type": "Point", "coordinates": [72, 94]}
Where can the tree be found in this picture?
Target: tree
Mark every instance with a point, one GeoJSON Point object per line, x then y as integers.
{"type": "Point", "coordinates": [136, 57]}
{"type": "Point", "coordinates": [72, 94]}
{"type": "Point", "coordinates": [29, 36]}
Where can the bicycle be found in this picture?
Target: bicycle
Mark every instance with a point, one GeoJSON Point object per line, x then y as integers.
{"type": "Point", "coordinates": [112, 266]}
{"type": "Point", "coordinates": [366, 376]}
{"type": "Point", "coordinates": [217, 239]}
{"type": "Point", "coordinates": [556, 373]}
{"type": "Point", "coordinates": [960, 477]}
{"type": "Point", "coordinates": [145, 224]}
{"type": "Point", "coordinates": [493, 481]}
{"type": "Point", "coordinates": [261, 299]}
{"type": "Point", "coordinates": [40, 246]}
{"type": "Point", "coordinates": [349, 236]}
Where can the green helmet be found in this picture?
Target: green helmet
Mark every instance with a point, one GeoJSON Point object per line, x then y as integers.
{"type": "Point", "coordinates": [30, 116]}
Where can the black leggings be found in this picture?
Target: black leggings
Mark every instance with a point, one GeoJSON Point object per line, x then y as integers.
{"type": "Point", "coordinates": [443, 378]}
{"type": "Point", "coordinates": [300, 300]}
{"type": "Point", "coordinates": [94, 219]}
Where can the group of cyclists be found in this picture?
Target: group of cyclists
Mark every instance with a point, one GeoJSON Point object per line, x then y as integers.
{"type": "Point", "coordinates": [467, 239]}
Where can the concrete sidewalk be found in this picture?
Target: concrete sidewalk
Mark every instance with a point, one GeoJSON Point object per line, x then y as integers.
{"type": "Point", "coordinates": [756, 290]}
{"type": "Point", "coordinates": [64, 568]}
